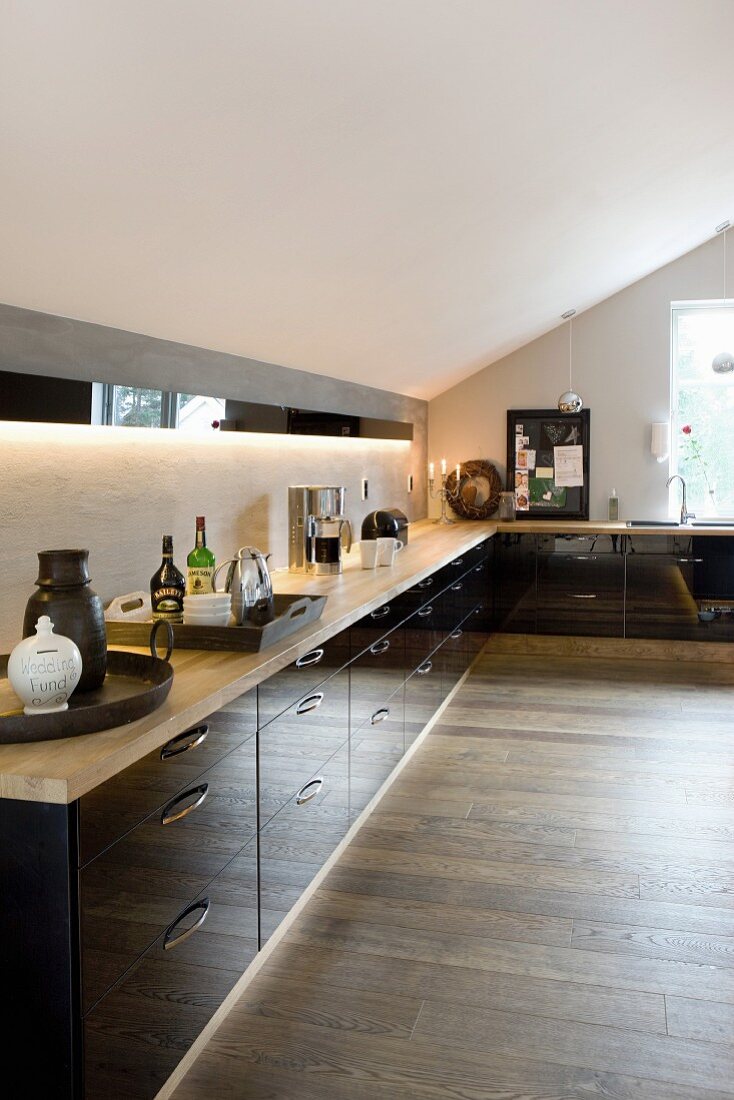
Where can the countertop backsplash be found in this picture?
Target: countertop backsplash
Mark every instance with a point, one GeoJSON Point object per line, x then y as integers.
{"type": "Point", "coordinates": [117, 491]}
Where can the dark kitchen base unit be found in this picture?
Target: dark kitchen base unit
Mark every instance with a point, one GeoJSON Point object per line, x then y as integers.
{"type": "Point", "coordinates": [668, 586]}
{"type": "Point", "coordinates": [130, 914]}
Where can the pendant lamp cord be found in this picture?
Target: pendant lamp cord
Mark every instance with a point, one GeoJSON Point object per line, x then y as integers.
{"type": "Point", "coordinates": [570, 354]}
{"type": "Point", "coordinates": [724, 242]}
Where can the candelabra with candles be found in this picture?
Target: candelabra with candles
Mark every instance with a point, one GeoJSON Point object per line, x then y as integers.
{"type": "Point", "coordinates": [443, 494]}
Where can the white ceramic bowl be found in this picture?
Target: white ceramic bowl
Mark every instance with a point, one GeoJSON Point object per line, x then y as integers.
{"type": "Point", "coordinates": [209, 599]}
{"type": "Point", "coordinates": [207, 618]}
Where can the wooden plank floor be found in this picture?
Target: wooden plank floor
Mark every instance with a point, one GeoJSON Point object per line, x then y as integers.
{"type": "Point", "coordinates": [541, 908]}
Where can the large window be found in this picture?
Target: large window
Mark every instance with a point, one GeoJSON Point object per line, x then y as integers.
{"type": "Point", "coordinates": [702, 445]}
{"type": "Point", "coordinates": [136, 407]}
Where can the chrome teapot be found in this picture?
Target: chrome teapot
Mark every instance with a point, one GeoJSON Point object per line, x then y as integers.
{"type": "Point", "coordinates": [248, 580]}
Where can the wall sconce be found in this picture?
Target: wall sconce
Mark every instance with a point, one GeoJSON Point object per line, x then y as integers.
{"type": "Point", "coordinates": [660, 443]}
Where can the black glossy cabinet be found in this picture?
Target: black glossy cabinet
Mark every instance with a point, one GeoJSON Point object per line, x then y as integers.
{"type": "Point", "coordinates": [153, 893]}
{"type": "Point", "coordinates": [155, 917]}
{"type": "Point", "coordinates": [580, 585]}
{"type": "Point", "coordinates": [515, 583]}
{"type": "Point", "coordinates": [280, 691]}
{"type": "Point", "coordinates": [299, 826]}
{"type": "Point", "coordinates": [680, 587]}
{"type": "Point", "coordinates": [670, 586]}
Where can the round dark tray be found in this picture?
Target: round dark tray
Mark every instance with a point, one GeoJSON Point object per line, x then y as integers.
{"type": "Point", "coordinates": [134, 686]}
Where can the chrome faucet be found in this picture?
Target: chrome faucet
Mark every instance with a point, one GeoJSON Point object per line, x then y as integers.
{"type": "Point", "coordinates": [685, 515]}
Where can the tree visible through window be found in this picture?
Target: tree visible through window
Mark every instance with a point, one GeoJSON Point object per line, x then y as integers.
{"type": "Point", "coordinates": [702, 448]}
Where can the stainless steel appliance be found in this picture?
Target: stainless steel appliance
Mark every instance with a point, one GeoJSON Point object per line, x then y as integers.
{"type": "Point", "coordinates": [248, 579]}
{"type": "Point", "coordinates": [317, 529]}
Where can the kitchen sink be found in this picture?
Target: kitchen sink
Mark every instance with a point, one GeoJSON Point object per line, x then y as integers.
{"type": "Point", "coordinates": [713, 523]}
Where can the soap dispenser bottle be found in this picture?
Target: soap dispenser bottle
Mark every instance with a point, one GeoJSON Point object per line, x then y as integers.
{"type": "Point", "coordinates": [613, 506]}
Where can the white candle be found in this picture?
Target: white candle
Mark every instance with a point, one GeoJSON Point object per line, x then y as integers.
{"type": "Point", "coordinates": [458, 471]}
{"type": "Point", "coordinates": [431, 470]}
{"type": "Point", "coordinates": [443, 465]}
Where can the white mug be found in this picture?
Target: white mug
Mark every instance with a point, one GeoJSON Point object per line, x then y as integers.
{"type": "Point", "coordinates": [368, 553]}
{"type": "Point", "coordinates": [387, 549]}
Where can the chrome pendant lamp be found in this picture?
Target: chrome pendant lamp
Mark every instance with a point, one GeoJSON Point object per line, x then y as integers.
{"type": "Point", "coordinates": [723, 363]}
{"type": "Point", "coordinates": [570, 401]}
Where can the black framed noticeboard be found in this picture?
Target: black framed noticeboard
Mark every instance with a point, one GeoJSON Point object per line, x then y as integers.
{"type": "Point", "coordinates": [548, 463]}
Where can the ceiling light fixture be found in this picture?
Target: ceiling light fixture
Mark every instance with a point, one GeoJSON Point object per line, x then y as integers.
{"type": "Point", "coordinates": [723, 363]}
{"type": "Point", "coordinates": [570, 402]}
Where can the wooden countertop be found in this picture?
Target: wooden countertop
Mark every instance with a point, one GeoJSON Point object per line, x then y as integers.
{"type": "Point", "coordinates": [600, 527]}
{"type": "Point", "coordinates": [62, 771]}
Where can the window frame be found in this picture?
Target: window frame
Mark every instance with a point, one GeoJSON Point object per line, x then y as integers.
{"type": "Point", "coordinates": [676, 309]}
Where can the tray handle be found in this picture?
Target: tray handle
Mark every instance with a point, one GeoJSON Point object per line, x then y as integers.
{"type": "Point", "coordinates": [154, 638]}
{"type": "Point", "coordinates": [298, 608]}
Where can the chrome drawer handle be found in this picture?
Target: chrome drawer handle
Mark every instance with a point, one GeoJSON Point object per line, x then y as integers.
{"type": "Point", "coordinates": [582, 595]}
{"type": "Point", "coordinates": [458, 561]}
{"type": "Point", "coordinates": [185, 741]}
{"type": "Point", "coordinates": [581, 557]}
{"type": "Point", "coordinates": [169, 813]}
{"type": "Point", "coordinates": [456, 635]}
{"type": "Point", "coordinates": [311, 702]}
{"type": "Point", "coordinates": [425, 612]}
{"type": "Point", "coordinates": [425, 668]}
{"type": "Point", "coordinates": [426, 583]}
{"type": "Point", "coordinates": [169, 943]}
{"type": "Point", "coordinates": [479, 569]}
{"type": "Point", "coordinates": [690, 561]}
{"type": "Point", "coordinates": [311, 658]}
{"type": "Point", "coordinates": [302, 798]}
{"type": "Point", "coordinates": [381, 612]}
{"type": "Point", "coordinates": [380, 716]}
{"type": "Point", "coordinates": [457, 587]}
{"type": "Point", "coordinates": [380, 647]}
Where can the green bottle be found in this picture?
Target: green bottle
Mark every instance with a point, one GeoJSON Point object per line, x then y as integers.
{"type": "Point", "coordinates": [199, 564]}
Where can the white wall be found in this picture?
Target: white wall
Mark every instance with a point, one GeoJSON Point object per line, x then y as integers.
{"type": "Point", "coordinates": [621, 356]}
{"type": "Point", "coordinates": [117, 490]}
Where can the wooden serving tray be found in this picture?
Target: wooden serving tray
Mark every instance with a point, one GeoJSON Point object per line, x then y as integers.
{"type": "Point", "coordinates": [134, 686]}
{"type": "Point", "coordinates": [291, 613]}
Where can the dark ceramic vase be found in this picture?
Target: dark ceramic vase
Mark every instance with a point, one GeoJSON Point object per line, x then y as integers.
{"type": "Point", "coordinates": [76, 611]}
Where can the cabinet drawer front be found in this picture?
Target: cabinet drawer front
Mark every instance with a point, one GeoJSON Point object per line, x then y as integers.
{"type": "Point", "coordinates": [292, 748]}
{"type": "Point", "coordinates": [296, 842]}
{"type": "Point", "coordinates": [135, 888]}
{"type": "Point", "coordinates": [581, 594]}
{"type": "Point", "coordinates": [458, 650]}
{"type": "Point", "coordinates": [454, 570]}
{"type": "Point", "coordinates": [423, 697]}
{"type": "Point", "coordinates": [136, 1035]}
{"type": "Point", "coordinates": [374, 752]}
{"type": "Point", "coordinates": [376, 675]}
{"type": "Point", "coordinates": [427, 627]}
{"type": "Point", "coordinates": [280, 691]}
{"type": "Point", "coordinates": [116, 806]}
{"type": "Point", "coordinates": [380, 622]}
{"type": "Point", "coordinates": [599, 544]}
{"type": "Point", "coordinates": [668, 545]}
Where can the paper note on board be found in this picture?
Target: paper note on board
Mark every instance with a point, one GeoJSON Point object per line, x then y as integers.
{"type": "Point", "coordinates": [569, 464]}
{"type": "Point", "coordinates": [544, 471]}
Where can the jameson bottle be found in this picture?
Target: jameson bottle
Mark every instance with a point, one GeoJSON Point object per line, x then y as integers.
{"type": "Point", "coordinates": [167, 587]}
{"type": "Point", "coordinates": [199, 563]}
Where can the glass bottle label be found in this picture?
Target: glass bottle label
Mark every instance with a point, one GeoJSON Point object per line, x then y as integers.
{"type": "Point", "coordinates": [199, 580]}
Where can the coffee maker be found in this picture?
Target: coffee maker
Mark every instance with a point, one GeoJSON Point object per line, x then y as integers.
{"type": "Point", "coordinates": [317, 529]}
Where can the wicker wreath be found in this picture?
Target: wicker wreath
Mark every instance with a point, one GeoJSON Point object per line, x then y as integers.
{"type": "Point", "coordinates": [477, 494]}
